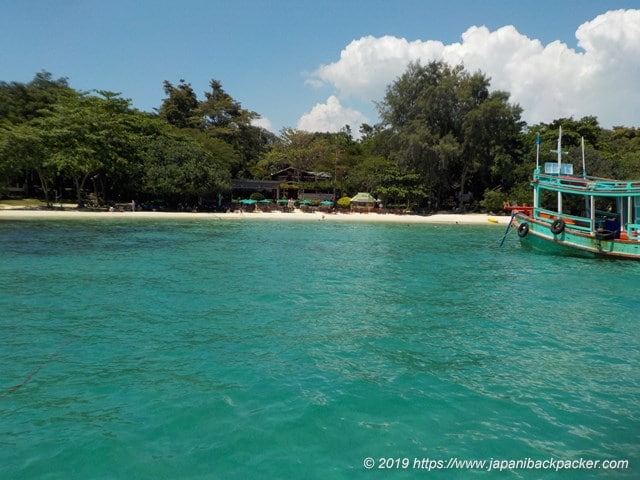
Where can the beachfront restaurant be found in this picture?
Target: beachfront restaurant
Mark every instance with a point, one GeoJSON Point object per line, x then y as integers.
{"type": "Point", "coordinates": [245, 187]}
{"type": "Point", "coordinates": [363, 202]}
{"type": "Point", "coordinates": [286, 183]}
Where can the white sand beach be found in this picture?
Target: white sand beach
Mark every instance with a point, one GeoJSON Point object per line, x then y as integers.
{"type": "Point", "coordinates": [445, 218]}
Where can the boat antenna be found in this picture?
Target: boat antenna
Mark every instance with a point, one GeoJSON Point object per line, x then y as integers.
{"type": "Point", "coordinates": [559, 150]}
{"type": "Point", "coordinates": [538, 150]}
{"type": "Point", "coordinates": [584, 164]}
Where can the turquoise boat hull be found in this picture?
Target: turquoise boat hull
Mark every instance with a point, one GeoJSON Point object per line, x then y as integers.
{"type": "Point", "coordinates": [583, 215]}
{"type": "Point", "coordinates": [571, 242]}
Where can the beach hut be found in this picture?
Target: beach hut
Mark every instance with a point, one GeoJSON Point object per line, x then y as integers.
{"type": "Point", "coordinates": [363, 202]}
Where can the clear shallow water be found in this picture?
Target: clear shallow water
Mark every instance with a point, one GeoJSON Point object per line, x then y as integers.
{"type": "Point", "coordinates": [222, 349]}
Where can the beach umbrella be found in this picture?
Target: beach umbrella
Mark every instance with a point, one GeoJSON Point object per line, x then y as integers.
{"type": "Point", "coordinates": [326, 203]}
{"type": "Point", "coordinates": [304, 202]}
{"type": "Point", "coordinates": [283, 200]}
{"type": "Point", "coordinates": [248, 201]}
{"type": "Point", "coordinates": [265, 200]}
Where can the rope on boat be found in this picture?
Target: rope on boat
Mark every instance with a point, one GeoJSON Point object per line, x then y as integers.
{"type": "Point", "coordinates": [28, 378]}
{"type": "Point", "coordinates": [506, 232]}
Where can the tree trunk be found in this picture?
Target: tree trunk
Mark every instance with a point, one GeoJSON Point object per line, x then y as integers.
{"type": "Point", "coordinates": [103, 188]}
{"type": "Point", "coordinates": [45, 188]}
{"type": "Point", "coordinates": [79, 187]}
{"type": "Point", "coordinates": [463, 179]}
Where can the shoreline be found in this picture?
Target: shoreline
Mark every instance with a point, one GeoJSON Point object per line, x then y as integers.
{"type": "Point", "coordinates": [442, 218]}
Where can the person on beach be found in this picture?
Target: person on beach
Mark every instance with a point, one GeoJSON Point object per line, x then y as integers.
{"type": "Point", "coordinates": [133, 205]}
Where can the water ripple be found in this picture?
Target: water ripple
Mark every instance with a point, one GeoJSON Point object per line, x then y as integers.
{"type": "Point", "coordinates": [196, 349]}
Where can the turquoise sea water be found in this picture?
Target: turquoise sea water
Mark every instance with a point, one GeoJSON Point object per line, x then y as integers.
{"type": "Point", "coordinates": [229, 349]}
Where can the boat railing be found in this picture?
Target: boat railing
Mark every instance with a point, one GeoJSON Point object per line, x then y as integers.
{"type": "Point", "coordinates": [588, 184]}
{"type": "Point", "coordinates": [633, 231]}
{"type": "Point", "coordinates": [575, 222]}
{"type": "Point", "coordinates": [617, 185]}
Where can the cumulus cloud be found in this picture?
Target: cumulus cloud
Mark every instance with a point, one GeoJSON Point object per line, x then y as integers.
{"type": "Point", "coordinates": [331, 117]}
{"type": "Point", "coordinates": [262, 122]}
{"type": "Point", "coordinates": [548, 81]}
{"type": "Point", "coordinates": [368, 64]}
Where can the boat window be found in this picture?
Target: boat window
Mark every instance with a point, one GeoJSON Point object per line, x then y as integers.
{"type": "Point", "coordinates": [552, 168]}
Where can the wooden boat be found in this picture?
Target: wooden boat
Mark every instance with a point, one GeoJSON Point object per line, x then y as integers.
{"type": "Point", "coordinates": [580, 214]}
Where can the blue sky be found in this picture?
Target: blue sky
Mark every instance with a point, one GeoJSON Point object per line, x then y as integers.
{"type": "Point", "coordinates": [269, 54]}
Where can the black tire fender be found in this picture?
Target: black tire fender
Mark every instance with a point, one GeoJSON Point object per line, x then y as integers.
{"type": "Point", "coordinates": [523, 229]}
{"type": "Point", "coordinates": [557, 227]}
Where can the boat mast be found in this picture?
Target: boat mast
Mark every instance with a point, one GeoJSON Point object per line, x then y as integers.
{"type": "Point", "coordinates": [559, 152]}
{"type": "Point", "coordinates": [584, 164]}
{"type": "Point", "coordinates": [536, 197]}
{"type": "Point", "coordinates": [589, 204]}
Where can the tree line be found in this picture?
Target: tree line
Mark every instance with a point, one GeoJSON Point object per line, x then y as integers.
{"type": "Point", "coordinates": [445, 140]}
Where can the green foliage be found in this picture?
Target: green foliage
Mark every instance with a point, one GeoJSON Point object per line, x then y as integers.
{"type": "Point", "coordinates": [218, 116]}
{"type": "Point", "coordinates": [23, 150]}
{"type": "Point", "coordinates": [257, 196]}
{"type": "Point", "coordinates": [401, 188]}
{"type": "Point", "coordinates": [344, 203]}
{"type": "Point", "coordinates": [493, 201]}
{"type": "Point", "coordinates": [443, 132]}
{"type": "Point", "coordinates": [448, 128]}
{"type": "Point", "coordinates": [179, 108]}
{"type": "Point", "coordinates": [301, 150]}
{"type": "Point", "coordinates": [179, 168]}
{"type": "Point", "coordinates": [622, 147]}
{"type": "Point", "coordinates": [21, 103]}
{"type": "Point", "coordinates": [68, 137]}
{"type": "Point", "coordinates": [629, 165]}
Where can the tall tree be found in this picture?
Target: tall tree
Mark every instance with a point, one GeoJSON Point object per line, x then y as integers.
{"type": "Point", "coordinates": [20, 102]}
{"type": "Point", "coordinates": [443, 122]}
{"type": "Point", "coordinates": [220, 112]}
{"type": "Point", "coordinates": [180, 168]}
{"type": "Point", "coordinates": [296, 148]}
{"type": "Point", "coordinates": [491, 143]}
{"type": "Point", "coordinates": [217, 116]}
{"type": "Point", "coordinates": [180, 106]}
{"type": "Point", "coordinates": [625, 150]}
{"type": "Point", "coordinates": [86, 135]}
{"type": "Point", "coordinates": [23, 149]}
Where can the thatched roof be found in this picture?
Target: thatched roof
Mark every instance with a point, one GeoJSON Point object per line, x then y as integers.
{"type": "Point", "coordinates": [363, 197]}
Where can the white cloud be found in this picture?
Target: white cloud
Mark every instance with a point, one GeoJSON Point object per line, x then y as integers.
{"type": "Point", "coordinates": [368, 65]}
{"type": "Point", "coordinates": [331, 117]}
{"type": "Point", "coordinates": [549, 82]}
{"type": "Point", "coordinates": [262, 122]}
